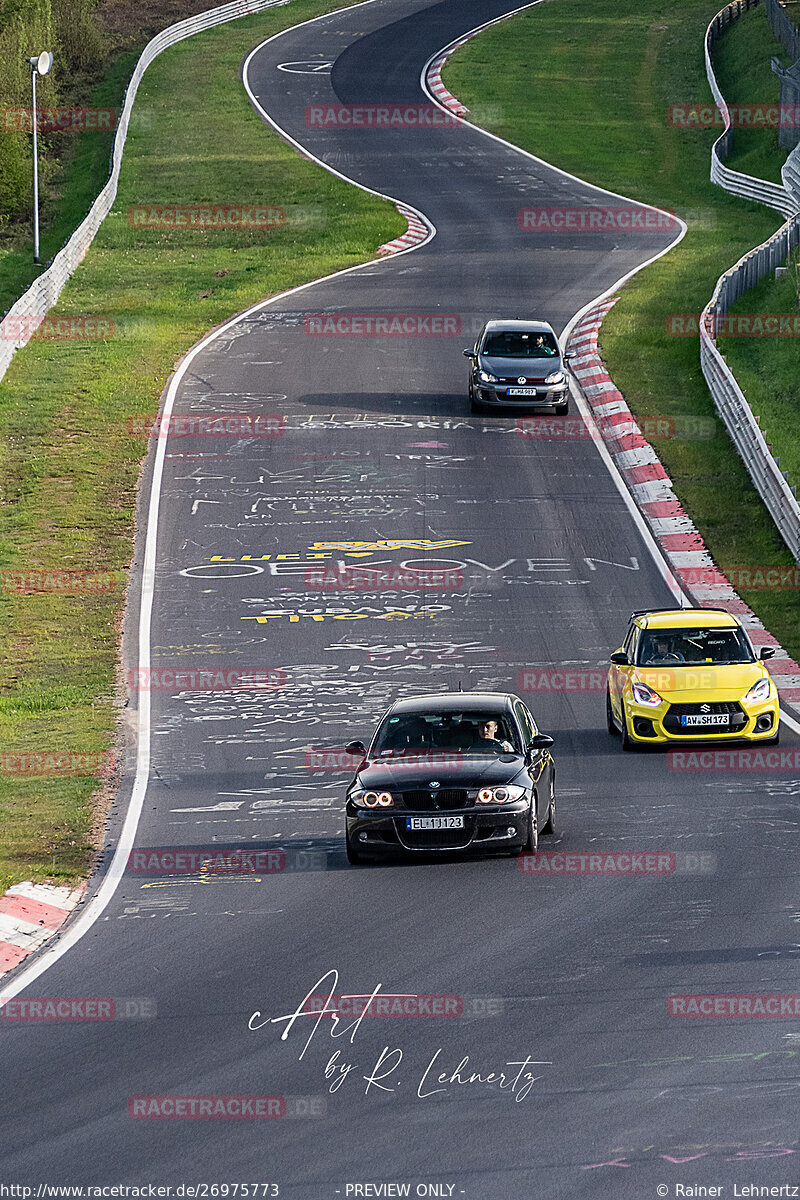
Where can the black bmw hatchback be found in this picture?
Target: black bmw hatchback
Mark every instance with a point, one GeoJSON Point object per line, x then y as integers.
{"type": "Point", "coordinates": [465, 771]}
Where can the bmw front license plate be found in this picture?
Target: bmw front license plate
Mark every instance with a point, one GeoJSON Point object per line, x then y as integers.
{"type": "Point", "coordinates": [434, 822]}
{"type": "Point", "coordinates": [520, 391]}
{"type": "Point", "coordinates": [705, 719]}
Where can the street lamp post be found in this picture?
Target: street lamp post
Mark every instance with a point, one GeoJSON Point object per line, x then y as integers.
{"type": "Point", "coordinates": [39, 65]}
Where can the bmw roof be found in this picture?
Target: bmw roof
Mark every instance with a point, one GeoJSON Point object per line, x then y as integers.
{"type": "Point", "coordinates": [454, 702]}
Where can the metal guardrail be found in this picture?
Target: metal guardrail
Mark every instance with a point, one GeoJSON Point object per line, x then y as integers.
{"type": "Point", "coordinates": [742, 425]}
{"type": "Point", "coordinates": [27, 312]}
{"type": "Point", "coordinates": [784, 29]}
{"type": "Point", "coordinates": [790, 174]}
{"type": "Point", "coordinates": [736, 182]}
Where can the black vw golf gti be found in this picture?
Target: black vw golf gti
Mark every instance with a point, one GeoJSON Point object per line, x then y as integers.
{"type": "Point", "coordinates": [452, 771]}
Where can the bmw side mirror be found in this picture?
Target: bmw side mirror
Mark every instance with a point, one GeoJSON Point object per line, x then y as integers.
{"type": "Point", "coordinates": [620, 658]}
{"type": "Point", "coordinates": [767, 652]}
{"type": "Point", "coordinates": [540, 741]}
{"type": "Point", "coordinates": [355, 748]}
{"type": "Point", "coordinates": [469, 354]}
{"type": "Point", "coordinates": [567, 355]}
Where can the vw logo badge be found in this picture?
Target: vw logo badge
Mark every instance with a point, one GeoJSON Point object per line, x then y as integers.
{"type": "Point", "coordinates": [521, 379]}
{"type": "Point", "coordinates": [434, 783]}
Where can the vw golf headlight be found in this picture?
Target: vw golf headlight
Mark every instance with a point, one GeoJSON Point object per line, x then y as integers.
{"type": "Point", "coordinates": [758, 692]}
{"type": "Point", "coordinates": [500, 795]}
{"type": "Point", "coordinates": [643, 694]}
{"type": "Point", "coordinates": [372, 799]}
{"type": "Point", "coordinates": [487, 377]}
{"type": "Point", "coordinates": [555, 377]}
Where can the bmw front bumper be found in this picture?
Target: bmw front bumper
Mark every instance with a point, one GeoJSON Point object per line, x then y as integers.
{"type": "Point", "coordinates": [501, 827]}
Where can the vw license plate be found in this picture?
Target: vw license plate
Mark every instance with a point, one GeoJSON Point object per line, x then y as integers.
{"type": "Point", "coordinates": [434, 822]}
{"type": "Point", "coordinates": [706, 719]}
{"type": "Point", "coordinates": [520, 391]}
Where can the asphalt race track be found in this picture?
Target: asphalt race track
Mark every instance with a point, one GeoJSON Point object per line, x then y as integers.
{"type": "Point", "coordinates": [544, 563]}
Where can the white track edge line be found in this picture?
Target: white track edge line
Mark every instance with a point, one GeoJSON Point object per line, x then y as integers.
{"type": "Point", "coordinates": [98, 903]}
{"type": "Point", "coordinates": [95, 907]}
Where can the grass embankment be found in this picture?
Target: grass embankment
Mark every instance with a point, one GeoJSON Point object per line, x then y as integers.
{"type": "Point", "coordinates": [596, 104]}
{"type": "Point", "coordinates": [767, 368]}
{"type": "Point", "coordinates": [69, 466]}
{"type": "Point", "coordinates": [742, 58]}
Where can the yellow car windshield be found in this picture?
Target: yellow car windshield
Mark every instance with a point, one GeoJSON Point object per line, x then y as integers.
{"type": "Point", "coordinates": [693, 647]}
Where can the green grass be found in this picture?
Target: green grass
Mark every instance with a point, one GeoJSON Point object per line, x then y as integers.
{"type": "Point", "coordinates": [69, 195]}
{"type": "Point", "coordinates": [766, 368]}
{"type": "Point", "coordinates": [607, 123]}
{"type": "Point", "coordinates": [68, 466]}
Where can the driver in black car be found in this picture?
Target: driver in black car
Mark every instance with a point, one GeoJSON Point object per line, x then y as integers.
{"type": "Point", "coordinates": [488, 740]}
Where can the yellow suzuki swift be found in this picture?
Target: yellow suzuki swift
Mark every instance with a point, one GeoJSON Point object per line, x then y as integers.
{"type": "Point", "coordinates": [686, 673]}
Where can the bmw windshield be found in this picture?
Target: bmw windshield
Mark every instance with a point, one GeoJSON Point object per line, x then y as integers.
{"type": "Point", "coordinates": [434, 733]}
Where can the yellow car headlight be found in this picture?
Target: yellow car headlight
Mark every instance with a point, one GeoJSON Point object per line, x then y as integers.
{"type": "Point", "coordinates": [758, 692]}
{"type": "Point", "coordinates": [643, 694]}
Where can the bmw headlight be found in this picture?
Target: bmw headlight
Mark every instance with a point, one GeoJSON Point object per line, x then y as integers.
{"type": "Point", "coordinates": [487, 377]}
{"type": "Point", "coordinates": [555, 377]}
{"type": "Point", "coordinates": [500, 795]}
{"type": "Point", "coordinates": [372, 799]}
{"type": "Point", "coordinates": [643, 694]}
{"type": "Point", "coordinates": [758, 692]}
